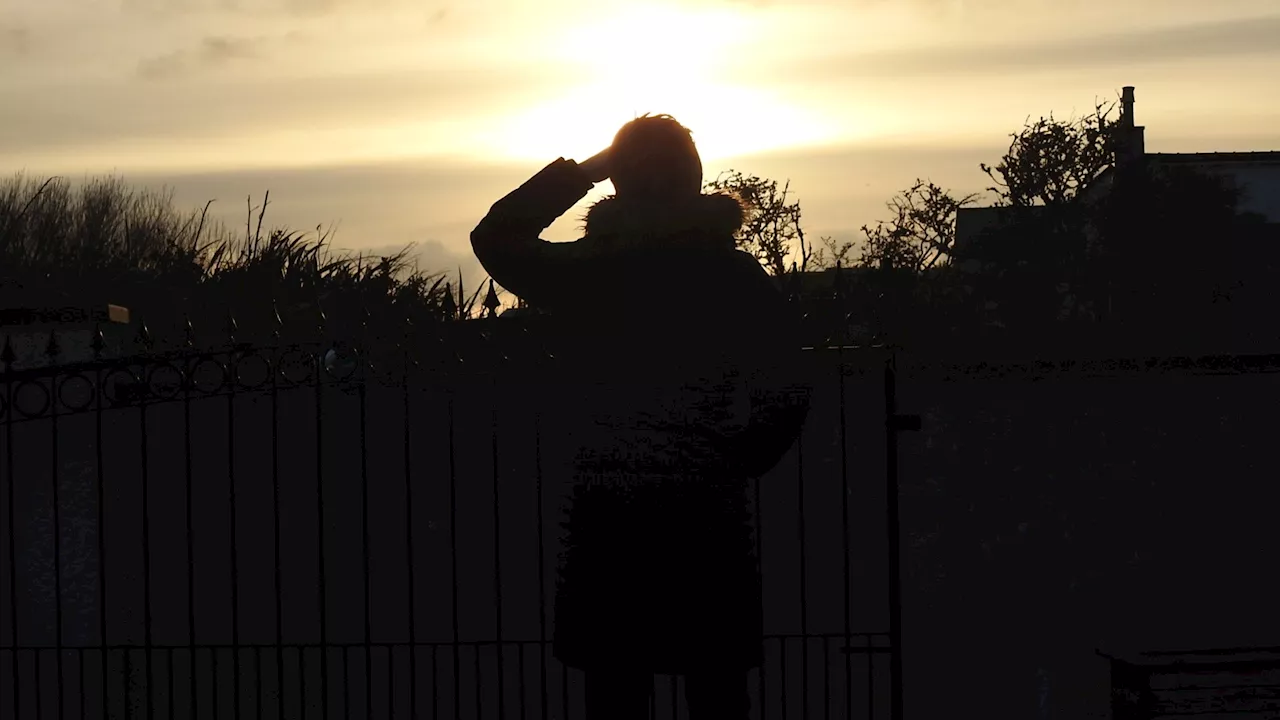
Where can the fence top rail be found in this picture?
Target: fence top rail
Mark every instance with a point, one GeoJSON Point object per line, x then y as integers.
{"type": "Point", "coordinates": [1098, 367]}
{"type": "Point", "coordinates": [1154, 663]}
{"type": "Point", "coordinates": [868, 356]}
{"type": "Point", "coordinates": [161, 358]}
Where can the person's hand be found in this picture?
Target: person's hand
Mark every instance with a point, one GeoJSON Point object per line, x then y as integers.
{"type": "Point", "coordinates": [596, 167]}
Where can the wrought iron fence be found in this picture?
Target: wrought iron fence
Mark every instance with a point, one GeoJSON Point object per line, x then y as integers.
{"type": "Point", "coordinates": [318, 529]}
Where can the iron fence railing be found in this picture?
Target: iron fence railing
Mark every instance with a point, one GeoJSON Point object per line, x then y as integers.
{"type": "Point", "coordinates": [325, 529]}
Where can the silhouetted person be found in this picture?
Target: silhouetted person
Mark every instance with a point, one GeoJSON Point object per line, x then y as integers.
{"type": "Point", "coordinates": [685, 356]}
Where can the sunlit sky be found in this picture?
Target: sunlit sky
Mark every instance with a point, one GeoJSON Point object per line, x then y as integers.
{"type": "Point", "coordinates": [401, 121]}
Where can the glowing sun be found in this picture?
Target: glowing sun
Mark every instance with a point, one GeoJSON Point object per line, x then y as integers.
{"type": "Point", "coordinates": [658, 58]}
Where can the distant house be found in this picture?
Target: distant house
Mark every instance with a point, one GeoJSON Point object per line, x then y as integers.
{"type": "Point", "coordinates": [1255, 174]}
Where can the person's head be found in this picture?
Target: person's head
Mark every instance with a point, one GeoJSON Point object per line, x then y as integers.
{"type": "Point", "coordinates": [653, 157]}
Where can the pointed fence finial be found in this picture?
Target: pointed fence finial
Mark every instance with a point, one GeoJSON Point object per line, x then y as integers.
{"type": "Point", "coordinates": [144, 334]}
{"type": "Point", "coordinates": [462, 298]}
{"type": "Point", "coordinates": [838, 285]}
{"type": "Point", "coordinates": [98, 343]}
{"type": "Point", "coordinates": [793, 283]}
{"type": "Point", "coordinates": [276, 323]}
{"type": "Point", "coordinates": [450, 306]}
{"type": "Point", "coordinates": [406, 343]}
{"type": "Point", "coordinates": [322, 322]}
{"type": "Point", "coordinates": [188, 332]}
{"type": "Point", "coordinates": [51, 348]}
{"type": "Point", "coordinates": [7, 354]}
{"type": "Point", "coordinates": [491, 302]}
{"type": "Point", "coordinates": [232, 327]}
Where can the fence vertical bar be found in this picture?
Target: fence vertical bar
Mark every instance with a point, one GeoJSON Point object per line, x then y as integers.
{"type": "Point", "coordinates": [39, 652]}
{"type": "Point", "coordinates": [408, 525]}
{"type": "Point", "coordinates": [320, 520]}
{"type": "Point", "coordinates": [893, 425]}
{"type": "Point", "coordinates": [453, 564]}
{"type": "Point", "coordinates": [804, 584]}
{"type": "Point", "coordinates": [275, 512]}
{"type": "Point", "coordinates": [52, 351]}
{"type": "Point", "coordinates": [257, 681]}
{"type": "Point", "coordinates": [675, 697]}
{"type": "Point", "coordinates": [362, 395]}
{"type": "Point", "coordinates": [497, 547]}
{"type": "Point", "coordinates": [302, 682]}
{"type": "Point", "coordinates": [213, 682]}
{"type": "Point", "coordinates": [8, 357]}
{"type": "Point", "coordinates": [435, 682]}
{"type": "Point", "coordinates": [233, 373]}
{"type": "Point", "coordinates": [479, 685]}
{"type": "Point", "coordinates": [125, 682]}
{"type": "Point", "coordinates": [542, 563]}
{"type": "Point", "coordinates": [782, 675]}
{"type": "Point", "coordinates": [145, 476]}
{"type": "Point", "coordinates": [99, 343]}
{"type": "Point", "coordinates": [871, 680]}
{"type": "Point", "coordinates": [520, 666]}
{"type": "Point", "coordinates": [346, 682]}
{"type": "Point", "coordinates": [564, 690]}
{"type": "Point", "coordinates": [191, 560]}
{"type": "Point", "coordinates": [764, 662]}
{"type": "Point", "coordinates": [826, 679]}
{"type": "Point", "coordinates": [172, 701]}
{"type": "Point", "coordinates": [80, 671]}
{"type": "Point", "coordinates": [391, 680]}
{"type": "Point", "coordinates": [844, 532]}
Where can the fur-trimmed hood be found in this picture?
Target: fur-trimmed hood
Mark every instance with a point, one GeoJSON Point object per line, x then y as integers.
{"type": "Point", "coordinates": [709, 220]}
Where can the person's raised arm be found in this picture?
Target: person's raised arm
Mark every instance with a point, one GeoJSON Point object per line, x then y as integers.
{"type": "Point", "coordinates": [507, 241]}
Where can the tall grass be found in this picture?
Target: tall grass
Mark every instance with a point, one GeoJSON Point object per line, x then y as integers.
{"type": "Point", "coordinates": [106, 242]}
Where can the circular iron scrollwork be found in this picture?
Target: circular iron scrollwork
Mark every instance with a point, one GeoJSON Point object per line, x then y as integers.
{"type": "Point", "coordinates": [253, 370]}
{"type": "Point", "coordinates": [208, 376]}
{"type": "Point", "coordinates": [24, 393]}
{"type": "Point", "coordinates": [77, 392]}
{"type": "Point", "coordinates": [296, 366]}
{"type": "Point", "coordinates": [121, 386]}
{"type": "Point", "coordinates": [341, 363]}
{"type": "Point", "coordinates": [165, 380]}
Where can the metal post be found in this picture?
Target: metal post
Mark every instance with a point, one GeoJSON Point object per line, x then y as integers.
{"type": "Point", "coordinates": [894, 423]}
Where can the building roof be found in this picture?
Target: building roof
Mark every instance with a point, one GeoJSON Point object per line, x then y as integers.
{"type": "Point", "coordinates": [1215, 158]}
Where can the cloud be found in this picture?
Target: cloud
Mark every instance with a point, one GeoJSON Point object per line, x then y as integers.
{"type": "Point", "coordinates": [212, 51]}
{"type": "Point", "coordinates": [235, 112]}
{"type": "Point", "coordinates": [264, 8]}
{"type": "Point", "coordinates": [14, 40]}
{"type": "Point", "coordinates": [431, 257]}
{"type": "Point", "coordinates": [1222, 39]}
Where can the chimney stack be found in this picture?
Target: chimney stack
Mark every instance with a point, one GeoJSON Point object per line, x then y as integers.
{"type": "Point", "coordinates": [1132, 140]}
{"type": "Point", "coordinates": [1126, 107]}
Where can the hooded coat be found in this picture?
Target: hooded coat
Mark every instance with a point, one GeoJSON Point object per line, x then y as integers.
{"type": "Point", "coordinates": [684, 359]}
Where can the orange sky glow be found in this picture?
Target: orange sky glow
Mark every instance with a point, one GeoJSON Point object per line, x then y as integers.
{"type": "Point", "coordinates": [400, 121]}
